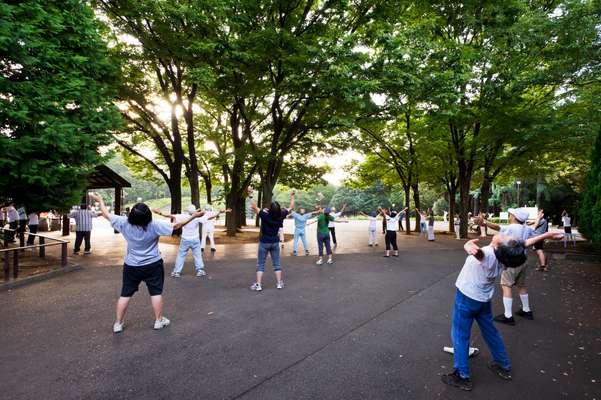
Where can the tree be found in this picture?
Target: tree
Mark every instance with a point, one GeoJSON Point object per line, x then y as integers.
{"type": "Point", "coordinates": [56, 93]}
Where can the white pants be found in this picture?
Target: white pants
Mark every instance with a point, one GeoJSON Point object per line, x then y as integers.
{"type": "Point", "coordinates": [458, 236]}
{"type": "Point", "coordinates": [203, 240]}
{"type": "Point", "coordinates": [372, 237]}
{"type": "Point", "coordinates": [430, 232]}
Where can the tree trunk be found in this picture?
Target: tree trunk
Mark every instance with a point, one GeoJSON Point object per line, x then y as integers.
{"type": "Point", "coordinates": [485, 193]}
{"type": "Point", "coordinates": [267, 191]}
{"type": "Point", "coordinates": [257, 219]}
{"type": "Point", "coordinates": [452, 207]}
{"type": "Point", "coordinates": [407, 190]}
{"type": "Point", "coordinates": [208, 188]}
{"type": "Point", "coordinates": [241, 212]}
{"type": "Point", "coordinates": [416, 203]}
{"type": "Point", "coordinates": [464, 205]}
{"type": "Point", "coordinates": [175, 192]}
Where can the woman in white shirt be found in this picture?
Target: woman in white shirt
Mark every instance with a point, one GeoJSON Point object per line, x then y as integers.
{"type": "Point", "coordinates": [33, 228]}
{"type": "Point", "coordinates": [392, 220]}
{"type": "Point", "coordinates": [372, 238]}
{"type": "Point", "coordinates": [566, 221]}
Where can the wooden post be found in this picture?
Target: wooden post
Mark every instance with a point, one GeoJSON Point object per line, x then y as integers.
{"type": "Point", "coordinates": [64, 255]}
{"type": "Point", "coordinates": [42, 247]}
{"type": "Point", "coordinates": [15, 264]}
{"type": "Point", "coordinates": [6, 266]}
{"type": "Point", "coordinates": [118, 198]}
{"type": "Point", "coordinates": [66, 224]}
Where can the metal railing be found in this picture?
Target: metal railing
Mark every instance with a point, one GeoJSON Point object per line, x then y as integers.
{"type": "Point", "coordinates": [42, 245]}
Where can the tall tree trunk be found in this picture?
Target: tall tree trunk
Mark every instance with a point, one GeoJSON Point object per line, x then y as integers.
{"type": "Point", "coordinates": [257, 219]}
{"type": "Point", "coordinates": [175, 192]}
{"type": "Point", "coordinates": [417, 204]}
{"type": "Point", "coordinates": [452, 206]}
{"type": "Point", "coordinates": [208, 188]}
{"type": "Point", "coordinates": [241, 212]}
{"type": "Point", "coordinates": [464, 204]}
{"type": "Point", "coordinates": [407, 190]}
{"type": "Point", "coordinates": [485, 193]}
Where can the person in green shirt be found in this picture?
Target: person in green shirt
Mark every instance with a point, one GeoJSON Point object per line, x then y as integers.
{"type": "Point", "coordinates": [323, 235]}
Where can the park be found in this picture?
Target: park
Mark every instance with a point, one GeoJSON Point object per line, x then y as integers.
{"type": "Point", "coordinates": [260, 199]}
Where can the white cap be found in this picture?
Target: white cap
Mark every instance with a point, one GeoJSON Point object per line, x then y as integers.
{"type": "Point", "coordinates": [521, 214]}
{"type": "Point", "coordinates": [191, 208]}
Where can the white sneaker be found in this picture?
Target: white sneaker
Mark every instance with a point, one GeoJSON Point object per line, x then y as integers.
{"type": "Point", "coordinates": [280, 285]}
{"type": "Point", "coordinates": [256, 287]}
{"type": "Point", "coordinates": [175, 274]}
{"type": "Point", "coordinates": [117, 327]}
{"type": "Point", "coordinates": [330, 262]}
{"type": "Point", "coordinates": [161, 323]}
{"type": "Point", "coordinates": [201, 272]}
{"type": "Point", "coordinates": [319, 262]}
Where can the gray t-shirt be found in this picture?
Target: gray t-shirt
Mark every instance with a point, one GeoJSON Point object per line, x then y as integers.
{"type": "Point", "coordinates": [142, 245]}
{"type": "Point", "coordinates": [518, 231]}
{"type": "Point", "coordinates": [542, 227]}
{"type": "Point", "coordinates": [477, 278]}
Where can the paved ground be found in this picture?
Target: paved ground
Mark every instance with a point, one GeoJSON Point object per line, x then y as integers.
{"type": "Point", "coordinates": [364, 328]}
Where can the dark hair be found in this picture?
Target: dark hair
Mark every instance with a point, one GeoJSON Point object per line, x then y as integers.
{"type": "Point", "coordinates": [393, 214]}
{"type": "Point", "coordinates": [83, 206]}
{"type": "Point", "coordinates": [275, 211]}
{"type": "Point", "coordinates": [140, 215]}
{"type": "Point", "coordinates": [511, 254]}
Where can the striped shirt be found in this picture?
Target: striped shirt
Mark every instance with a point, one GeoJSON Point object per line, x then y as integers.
{"type": "Point", "coordinates": [83, 220]}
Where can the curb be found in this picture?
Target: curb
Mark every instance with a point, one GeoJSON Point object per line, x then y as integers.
{"type": "Point", "coordinates": [38, 278]}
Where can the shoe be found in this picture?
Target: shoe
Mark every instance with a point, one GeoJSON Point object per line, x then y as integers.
{"type": "Point", "coordinates": [75, 253]}
{"type": "Point", "coordinates": [201, 272]}
{"type": "Point", "coordinates": [375, 244]}
{"type": "Point", "coordinates": [280, 285]}
{"type": "Point", "coordinates": [525, 314]}
{"type": "Point", "coordinates": [370, 245]}
{"type": "Point", "coordinates": [256, 287]}
{"type": "Point", "coordinates": [294, 254]}
{"type": "Point", "coordinates": [385, 255]}
{"type": "Point", "coordinates": [213, 249]}
{"type": "Point", "coordinates": [202, 250]}
{"type": "Point", "coordinates": [500, 371]}
{"type": "Point", "coordinates": [330, 262]}
{"type": "Point", "coordinates": [175, 275]}
{"type": "Point", "coordinates": [87, 253]}
{"type": "Point", "coordinates": [161, 323]}
{"type": "Point", "coordinates": [118, 327]}
{"type": "Point", "coordinates": [396, 255]}
{"type": "Point", "coordinates": [307, 252]}
{"type": "Point", "coordinates": [504, 320]}
{"type": "Point", "coordinates": [319, 262]}
{"type": "Point", "coordinates": [454, 379]}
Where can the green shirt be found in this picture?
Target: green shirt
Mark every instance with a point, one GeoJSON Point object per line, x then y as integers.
{"type": "Point", "coordinates": [322, 223]}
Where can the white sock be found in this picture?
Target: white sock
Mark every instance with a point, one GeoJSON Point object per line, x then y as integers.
{"type": "Point", "coordinates": [507, 303]}
{"type": "Point", "coordinates": [525, 302]}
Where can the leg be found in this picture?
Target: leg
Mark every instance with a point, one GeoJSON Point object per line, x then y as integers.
{"type": "Point", "coordinates": [203, 238]}
{"type": "Point", "coordinates": [320, 244]}
{"type": "Point", "coordinates": [275, 260]}
{"type": "Point", "coordinates": [122, 304]}
{"type": "Point", "coordinates": [388, 242]}
{"type": "Point", "coordinates": [261, 257]}
{"type": "Point", "coordinates": [86, 238]}
{"type": "Point", "coordinates": [78, 239]}
{"type": "Point", "coordinates": [212, 239]}
{"type": "Point", "coordinates": [181, 256]}
{"type": "Point", "coordinates": [393, 242]}
{"type": "Point", "coordinates": [33, 229]}
{"type": "Point", "coordinates": [460, 333]}
{"type": "Point", "coordinates": [328, 247]}
{"type": "Point", "coordinates": [303, 237]}
{"type": "Point", "coordinates": [197, 254]}
{"type": "Point", "coordinates": [492, 337]}
{"type": "Point", "coordinates": [507, 300]}
{"type": "Point", "coordinates": [157, 306]}
{"type": "Point", "coordinates": [295, 243]}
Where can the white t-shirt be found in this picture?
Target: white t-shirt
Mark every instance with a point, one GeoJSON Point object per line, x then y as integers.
{"type": "Point", "coordinates": [332, 224]}
{"type": "Point", "coordinates": [566, 221]}
{"type": "Point", "coordinates": [372, 223]}
{"type": "Point", "coordinates": [33, 219]}
{"type": "Point", "coordinates": [190, 230]}
{"type": "Point", "coordinates": [518, 231]}
{"type": "Point", "coordinates": [477, 278]}
{"type": "Point", "coordinates": [209, 224]}
{"type": "Point", "coordinates": [12, 214]}
{"type": "Point", "coordinates": [392, 224]}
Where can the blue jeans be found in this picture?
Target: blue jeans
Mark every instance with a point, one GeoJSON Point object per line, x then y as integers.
{"type": "Point", "coordinates": [467, 310]}
{"type": "Point", "coordinates": [184, 246]}
{"type": "Point", "coordinates": [303, 238]}
{"type": "Point", "coordinates": [323, 239]}
{"type": "Point", "coordinates": [423, 228]}
{"type": "Point", "coordinates": [274, 250]}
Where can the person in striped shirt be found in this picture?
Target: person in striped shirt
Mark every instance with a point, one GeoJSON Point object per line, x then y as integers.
{"type": "Point", "coordinates": [83, 228]}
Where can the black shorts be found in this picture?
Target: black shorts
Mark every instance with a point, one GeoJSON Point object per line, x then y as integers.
{"type": "Point", "coordinates": [151, 274]}
{"type": "Point", "coordinates": [567, 229]}
{"type": "Point", "coordinates": [539, 245]}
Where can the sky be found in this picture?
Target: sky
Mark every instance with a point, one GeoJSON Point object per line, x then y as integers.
{"type": "Point", "coordinates": [337, 164]}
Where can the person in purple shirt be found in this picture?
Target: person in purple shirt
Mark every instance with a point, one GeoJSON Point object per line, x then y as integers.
{"type": "Point", "coordinates": [271, 221]}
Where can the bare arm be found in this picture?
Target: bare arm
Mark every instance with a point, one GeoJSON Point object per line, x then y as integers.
{"type": "Point", "coordinates": [291, 207]}
{"type": "Point", "coordinates": [170, 216]}
{"type": "Point", "coordinates": [547, 235]}
{"type": "Point", "coordinates": [180, 224]}
{"type": "Point", "coordinates": [227, 210]}
{"type": "Point", "coordinates": [491, 225]}
{"type": "Point", "coordinates": [471, 247]}
{"type": "Point", "coordinates": [105, 213]}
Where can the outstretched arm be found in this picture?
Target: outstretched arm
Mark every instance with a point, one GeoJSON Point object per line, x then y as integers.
{"type": "Point", "coordinates": [180, 224]}
{"type": "Point", "coordinates": [291, 207]}
{"type": "Point", "coordinates": [547, 235]}
{"type": "Point", "coordinates": [170, 216]}
{"type": "Point", "coordinates": [227, 210]}
{"type": "Point", "coordinates": [103, 210]}
{"type": "Point", "coordinates": [491, 225]}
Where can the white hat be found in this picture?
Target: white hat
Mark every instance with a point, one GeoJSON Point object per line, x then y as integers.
{"type": "Point", "coordinates": [521, 214]}
{"type": "Point", "coordinates": [208, 207]}
{"type": "Point", "coordinates": [191, 208]}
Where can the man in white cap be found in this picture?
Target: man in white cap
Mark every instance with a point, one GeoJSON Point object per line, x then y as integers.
{"type": "Point", "coordinates": [190, 240]}
{"type": "Point", "coordinates": [510, 277]}
{"type": "Point", "coordinates": [208, 230]}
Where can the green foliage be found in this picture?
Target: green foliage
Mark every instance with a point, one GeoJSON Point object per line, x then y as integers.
{"type": "Point", "coordinates": [590, 211]}
{"type": "Point", "coordinates": [56, 92]}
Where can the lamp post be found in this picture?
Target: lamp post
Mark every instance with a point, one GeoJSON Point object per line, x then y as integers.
{"type": "Point", "coordinates": [519, 183]}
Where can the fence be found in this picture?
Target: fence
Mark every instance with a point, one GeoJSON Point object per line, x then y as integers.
{"type": "Point", "coordinates": [8, 234]}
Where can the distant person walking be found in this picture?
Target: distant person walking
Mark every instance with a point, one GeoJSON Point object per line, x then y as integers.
{"type": "Point", "coordinates": [83, 228]}
{"type": "Point", "coordinates": [143, 262]}
{"type": "Point", "coordinates": [33, 224]}
{"type": "Point", "coordinates": [271, 221]}
{"type": "Point", "coordinates": [566, 221]}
